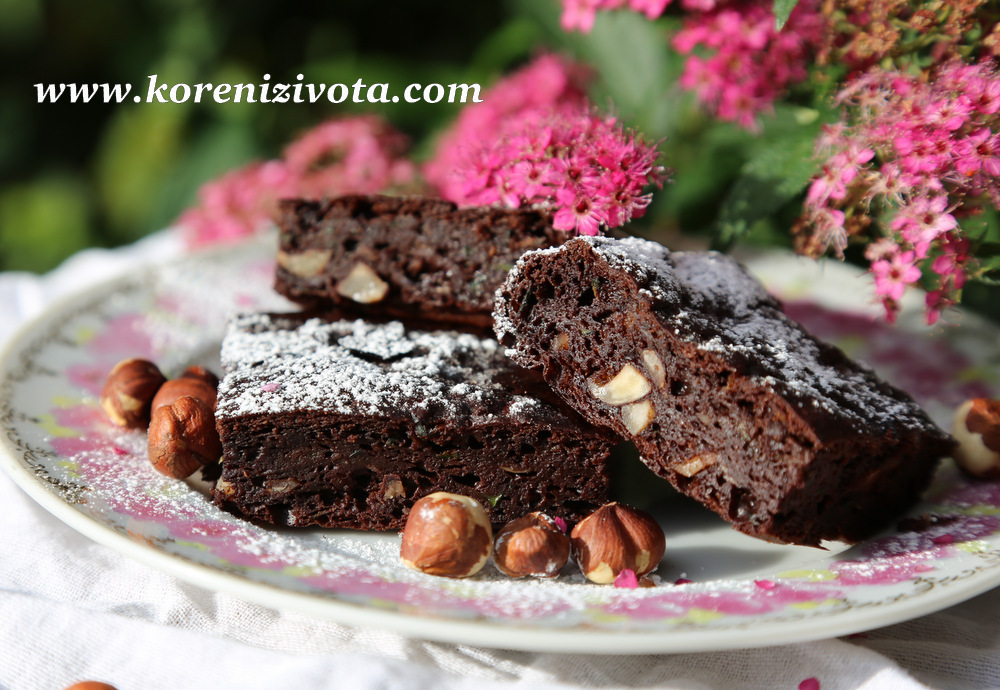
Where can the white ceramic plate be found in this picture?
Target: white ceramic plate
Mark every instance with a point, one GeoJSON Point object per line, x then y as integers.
{"type": "Point", "coordinates": [59, 447]}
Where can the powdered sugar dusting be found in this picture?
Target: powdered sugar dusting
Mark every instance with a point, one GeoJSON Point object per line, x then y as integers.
{"type": "Point", "coordinates": [735, 316]}
{"type": "Point", "coordinates": [698, 280]}
{"type": "Point", "coordinates": [359, 368]}
{"type": "Point", "coordinates": [712, 301]}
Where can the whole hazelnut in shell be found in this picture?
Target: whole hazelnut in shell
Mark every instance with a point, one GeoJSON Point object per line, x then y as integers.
{"type": "Point", "coordinates": [977, 430]}
{"type": "Point", "coordinates": [448, 535]}
{"type": "Point", "coordinates": [616, 537]}
{"type": "Point", "coordinates": [183, 437]}
{"type": "Point", "coordinates": [199, 372]}
{"type": "Point", "coordinates": [129, 390]}
{"type": "Point", "coordinates": [531, 545]}
{"type": "Point", "coordinates": [177, 388]}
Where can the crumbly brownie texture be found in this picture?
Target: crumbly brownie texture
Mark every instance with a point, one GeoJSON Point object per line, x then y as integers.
{"type": "Point", "coordinates": [403, 256]}
{"type": "Point", "coordinates": [723, 394]}
{"type": "Point", "coordinates": [347, 423]}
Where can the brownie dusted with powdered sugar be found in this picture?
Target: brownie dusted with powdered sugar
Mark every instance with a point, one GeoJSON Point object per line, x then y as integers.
{"type": "Point", "coordinates": [345, 423]}
{"type": "Point", "coordinates": [403, 257]}
{"type": "Point", "coordinates": [723, 394]}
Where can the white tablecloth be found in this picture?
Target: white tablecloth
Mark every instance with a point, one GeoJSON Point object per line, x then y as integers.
{"type": "Point", "coordinates": [71, 610]}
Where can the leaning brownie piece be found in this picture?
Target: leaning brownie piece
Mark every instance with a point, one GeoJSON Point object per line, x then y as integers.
{"type": "Point", "coordinates": [346, 423]}
{"type": "Point", "coordinates": [403, 256]}
{"type": "Point", "coordinates": [723, 394]}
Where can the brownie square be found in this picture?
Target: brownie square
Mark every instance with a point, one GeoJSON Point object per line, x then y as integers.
{"type": "Point", "coordinates": [403, 257]}
{"type": "Point", "coordinates": [345, 423]}
{"type": "Point", "coordinates": [725, 396]}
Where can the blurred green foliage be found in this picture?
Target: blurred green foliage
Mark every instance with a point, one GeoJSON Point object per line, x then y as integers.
{"type": "Point", "coordinates": [76, 175]}
{"type": "Point", "coordinates": [79, 175]}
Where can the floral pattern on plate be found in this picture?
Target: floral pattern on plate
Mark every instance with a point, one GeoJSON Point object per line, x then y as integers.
{"type": "Point", "coordinates": [716, 588]}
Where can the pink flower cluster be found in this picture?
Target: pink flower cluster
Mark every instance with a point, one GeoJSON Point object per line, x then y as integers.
{"type": "Point", "coordinates": [238, 204]}
{"type": "Point", "coordinates": [546, 83]}
{"type": "Point", "coordinates": [579, 15]}
{"type": "Point", "coordinates": [925, 153]}
{"type": "Point", "coordinates": [744, 64]}
{"type": "Point", "coordinates": [351, 155]}
{"type": "Point", "coordinates": [516, 151]}
{"type": "Point", "coordinates": [360, 155]}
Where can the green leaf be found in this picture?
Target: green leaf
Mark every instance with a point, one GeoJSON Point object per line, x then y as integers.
{"type": "Point", "coordinates": [989, 250]}
{"type": "Point", "coordinates": [636, 69]}
{"type": "Point", "coordinates": [779, 170]}
{"type": "Point", "coordinates": [988, 272]}
{"type": "Point", "coordinates": [782, 9]}
{"type": "Point", "coordinates": [986, 279]}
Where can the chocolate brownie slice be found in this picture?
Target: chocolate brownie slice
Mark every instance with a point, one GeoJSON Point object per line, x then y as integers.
{"type": "Point", "coordinates": [403, 256]}
{"type": "Point", "coordinates": [345, 423]}
{"type": "Point", "coordinates": [724, 395]}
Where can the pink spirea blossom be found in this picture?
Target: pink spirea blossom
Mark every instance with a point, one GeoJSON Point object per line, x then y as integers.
{"type": "Point", "coordinates": [584, 167]}
{"type": "Point", "coordinates": [922, 221]}
{"type": "Point", "coordinates": [738, 64]}
{"type": "Point", "coordinates": [516, 150]}
{"type": "Point", "coordinates": [360, 155]}
{"type": "Point", "coordinates": [546, 83]}
{"type": "Point", "coordinates": [579, 15]}
{"type": "Point", "coordinates": [350, 155]}
{"type": "Point", "coordinates": [893, 274]}
{"type": "Point", "coordinates": [952, 266]}
{"type": "Point", "coordinates": [925, 151]}
{"type": "Point", "coordinates": [236, 205]}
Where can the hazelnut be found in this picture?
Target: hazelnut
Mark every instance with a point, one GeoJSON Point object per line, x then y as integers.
{"type": "Point", "coordinates": [637, 416]}
{"type": "Point", "coordinates": [183, 437]}
{"type": "Point", "coordinates": [448, 535]}
{"type": "Point", "coordinates": [696, 463]}
{"type": "Point", "coordinates": [616, 537]}
{"type": "Point", "coordinates": [129, 390]}
{"type": "Point", "coordinates": [627, 386]}
{"type": "Point", "coordinates": [174, 389]}
{"type": "Point", "coordinates": [305, 264]}
{"type": "Point", "coordinates": [392, 487]}
{"type": "Point", "coordinates": [362, 285]}
{"type": "Point", "coordinates": [654, 365]}
{"type": "Point", "coordinates": [224, 487]}
{"type": "Point", "coordinates": [202, 374]}
{"type": "Point", "coordinates": [977, 430]}
{"type": "Point", "coordinates": [284, 485]}
{"type": "Point", "coordinates": [531, 545]}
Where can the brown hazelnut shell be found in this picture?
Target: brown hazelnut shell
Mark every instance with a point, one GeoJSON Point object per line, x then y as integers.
{"type": "Point", "coordinates": [202, 374]}
{"type": "Point", "coordinates": [183, 437]}
{"type": "Point", "coordinates": [129, 390]}
{"type": "Point", "coordinates": [448, 535]}
{"type": "Point", "coordinates": [531, 545]}
{"type": "Point", "coordinates": [616, 537]}
{"type": "Point", "coordinates": [175, 389]}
